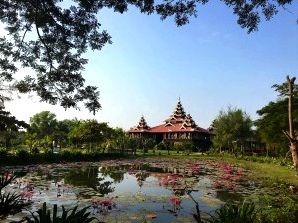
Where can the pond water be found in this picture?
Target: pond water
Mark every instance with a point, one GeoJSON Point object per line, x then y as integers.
{"type": "Point", "coordinates": [158, 190]}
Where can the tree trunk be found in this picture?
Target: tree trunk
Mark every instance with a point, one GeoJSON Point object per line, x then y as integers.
{"type": "Point", "coordinates": [291, 133]}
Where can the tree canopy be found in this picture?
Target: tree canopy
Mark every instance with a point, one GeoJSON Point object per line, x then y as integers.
{"type": "Point", "coordinates": [230, 126]}
{"type": "Point", "coordinates": [273, 120]}
{"type": "Point", "coordinates": [51, 36]}
{"type": "Point", "coordinates": [43, 123]}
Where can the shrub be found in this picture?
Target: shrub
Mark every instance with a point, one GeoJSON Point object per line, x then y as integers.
{"type": "Point", "coordinates": [161, 146]}
{"type": "Point", "coordinates": [233, 213]}
{"type": "Point", "coordinates": [188, 147]}
{"type": "Point", "coordinates": [280, 208]}
{"type": "Point", "coordinates": [23, 155]}
{"type": "Point", "coordinates": [178, 146]}
{"type": "Point", "coordinates": [10, 202]}
{"type": "Point", "coordinates": [44, 215]}
{"type": "Point", "coordinates": [35, 151]}
{"type": "Point", "coordinates": [3, 152]}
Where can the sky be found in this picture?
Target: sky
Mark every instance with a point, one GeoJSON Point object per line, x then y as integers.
{"type": "Point", "coordinates": [211, 63]}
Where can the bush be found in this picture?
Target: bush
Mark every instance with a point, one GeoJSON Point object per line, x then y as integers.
{"type": "Point", "coordinates": [68, 155]}
{"type": "Point", "coordinates": [43, 215]}
{"type": "Point", "coordinates": [188, 147]}
{"type": "Point", "coordinates": [232, 213]}
{"type": "Point", "coordinates": [280, 208]}
{"type": "Point", "coordinates": [23, 154]}
{"type": "Point", "coordinates": [161, 146]}
{"type": "Point", "coordinates": [178, 146]}
{"type": "Point", "coordinates": [10, 202]}
{"type": "Point", "coordinates": [3, 152]}
{"type": "Point", "coordinates": [35, 151]}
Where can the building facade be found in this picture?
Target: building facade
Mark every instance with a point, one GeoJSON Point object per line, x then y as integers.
{"type": "Point", "coordinates": [179, 127]}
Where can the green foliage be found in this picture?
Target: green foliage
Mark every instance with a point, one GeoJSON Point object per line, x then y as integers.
{"type": "Point", "coordinates": [148, 143]}
{"type": "Point", "coordinates": [178, 146]}
{"type": "Point", "coordinates": [280, 208]}
{"type": "Point", "coordinates": [35, 150]}
{"type": "Point", "coordinates": [161, 146]}
{"type": "Point", "coordinates": [92, 131]}
{"type": "Point", "coordinates": [9, 127]}
{"type": "Point", "coordinates": [67, 216]}
{"type": "Point", "coordinates": [188, 147]}
{"type": "Point", "coordinates": [231, 126]}
{"type": "Point", "coordinates": [43, 124]}
{"type": "Point", "coordinates": [23, 154]}
{"type": "Point", "coordinates": [273, 120]}
{"type": "Point", "coordinates": [274, 160]}
{"type": "Point", "coordinates": [232, 213]}
{"type": "Point", "coordinates": [10, 203]}
{"type": "Point", "coordinates": [8, 122]}
{"type": "Point", "coordinates": [3, 152]}
{"type": "Point", "coordinates": [71, 155]}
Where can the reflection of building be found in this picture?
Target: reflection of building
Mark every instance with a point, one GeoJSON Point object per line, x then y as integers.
{"type": "Point", "coordinates": [179, 127]}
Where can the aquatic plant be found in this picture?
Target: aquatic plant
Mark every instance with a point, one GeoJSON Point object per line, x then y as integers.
{"type": "Point", "coordinates": [218, 184]}
{"type": "Point", "coordinates": [233, 213]}
{"type": "Point", "coordinates": [103, 205]}
{"type": "Point", "coordinates": [43, 215]}
{"type": "Point", "coordinates": [10, 202]}
{"type": "Point", "coordinates": [228, 169]}
{"type": "Point", "coordinates": [195, 169]}
{"type": "Point", "coordinates": [176, 202]}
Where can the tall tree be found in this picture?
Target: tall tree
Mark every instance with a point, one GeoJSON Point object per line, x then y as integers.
{"type": "Point", "coordinates": [230, 126]}
{"type": "Point", "coordinates": [290, 90]}
{"type": "Point", "coordinates": [43, 124]}
{"type": "Point", "coordinates": [93, 132]}
{"type": "Point", "coordinates": [9, 126]}
{"type": "Point", "coordinates": [273, 119]}
{"type": "Point", "coordinates": [51, 36]}
{"type": "Point", "coordinates": [74, 134]}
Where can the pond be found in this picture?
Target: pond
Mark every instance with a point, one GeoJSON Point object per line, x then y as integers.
{"type": "Point", "coordinates": [158, 190]}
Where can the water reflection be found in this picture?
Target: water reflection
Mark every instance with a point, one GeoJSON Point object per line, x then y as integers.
{"type": "Point", "coordinates": [89, 177]}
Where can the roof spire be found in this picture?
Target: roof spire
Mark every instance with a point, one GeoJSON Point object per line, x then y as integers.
{"type": "Point", "coordinates": [142, 125]}
{"type": "Point", "coordinates": [178, 115]}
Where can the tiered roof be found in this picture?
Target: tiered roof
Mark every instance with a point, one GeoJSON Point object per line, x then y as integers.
{"type": "Point", "coordinates": [178, 115]}
{"type": "Point", "coordinates": [188, 122]}
{"type": "Point", "coordinates": [142, 126]}
{"type": "Point", "coordinates": [177, 122]}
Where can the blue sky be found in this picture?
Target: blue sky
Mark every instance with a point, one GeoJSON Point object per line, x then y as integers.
{"type": "Point", "coordinates": [210, 63]}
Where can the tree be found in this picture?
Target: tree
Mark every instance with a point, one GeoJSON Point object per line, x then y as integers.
{"type": "Point", "coordinates": [51, 37]}
{"type": "Point", "coordinates": [9, 126]}
{"type": "Point", "coordinates": [231, 126]}
{"type": "Point", "coordinates": [74, 132]}
{"type": "Point", "coordinates": [31, 140]}
{"type": "Point", "coordinates": [92, 131]}
{"type": "Point", "coordinates": [43, 124]}
{"type": "Point", "coordinates": [290, 90]}
{"type": "Point", "coordinates": [273, 119]}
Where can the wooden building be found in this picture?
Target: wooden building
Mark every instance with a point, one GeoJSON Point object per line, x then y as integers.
{"type": "Point", "coordinates": [179, 127]}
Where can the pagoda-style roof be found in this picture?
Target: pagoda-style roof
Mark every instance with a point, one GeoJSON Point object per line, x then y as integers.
{"type": "Point", "coordinates": [177, 122]}
{"type": "Point", "coordinates": [176, 128]}
{"type": "Point", "coordinates": [178, 115]}
{"type": "Point", "coordinates": [188, 122]}
{"type": "Point", "coordinates": [141, 127]}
